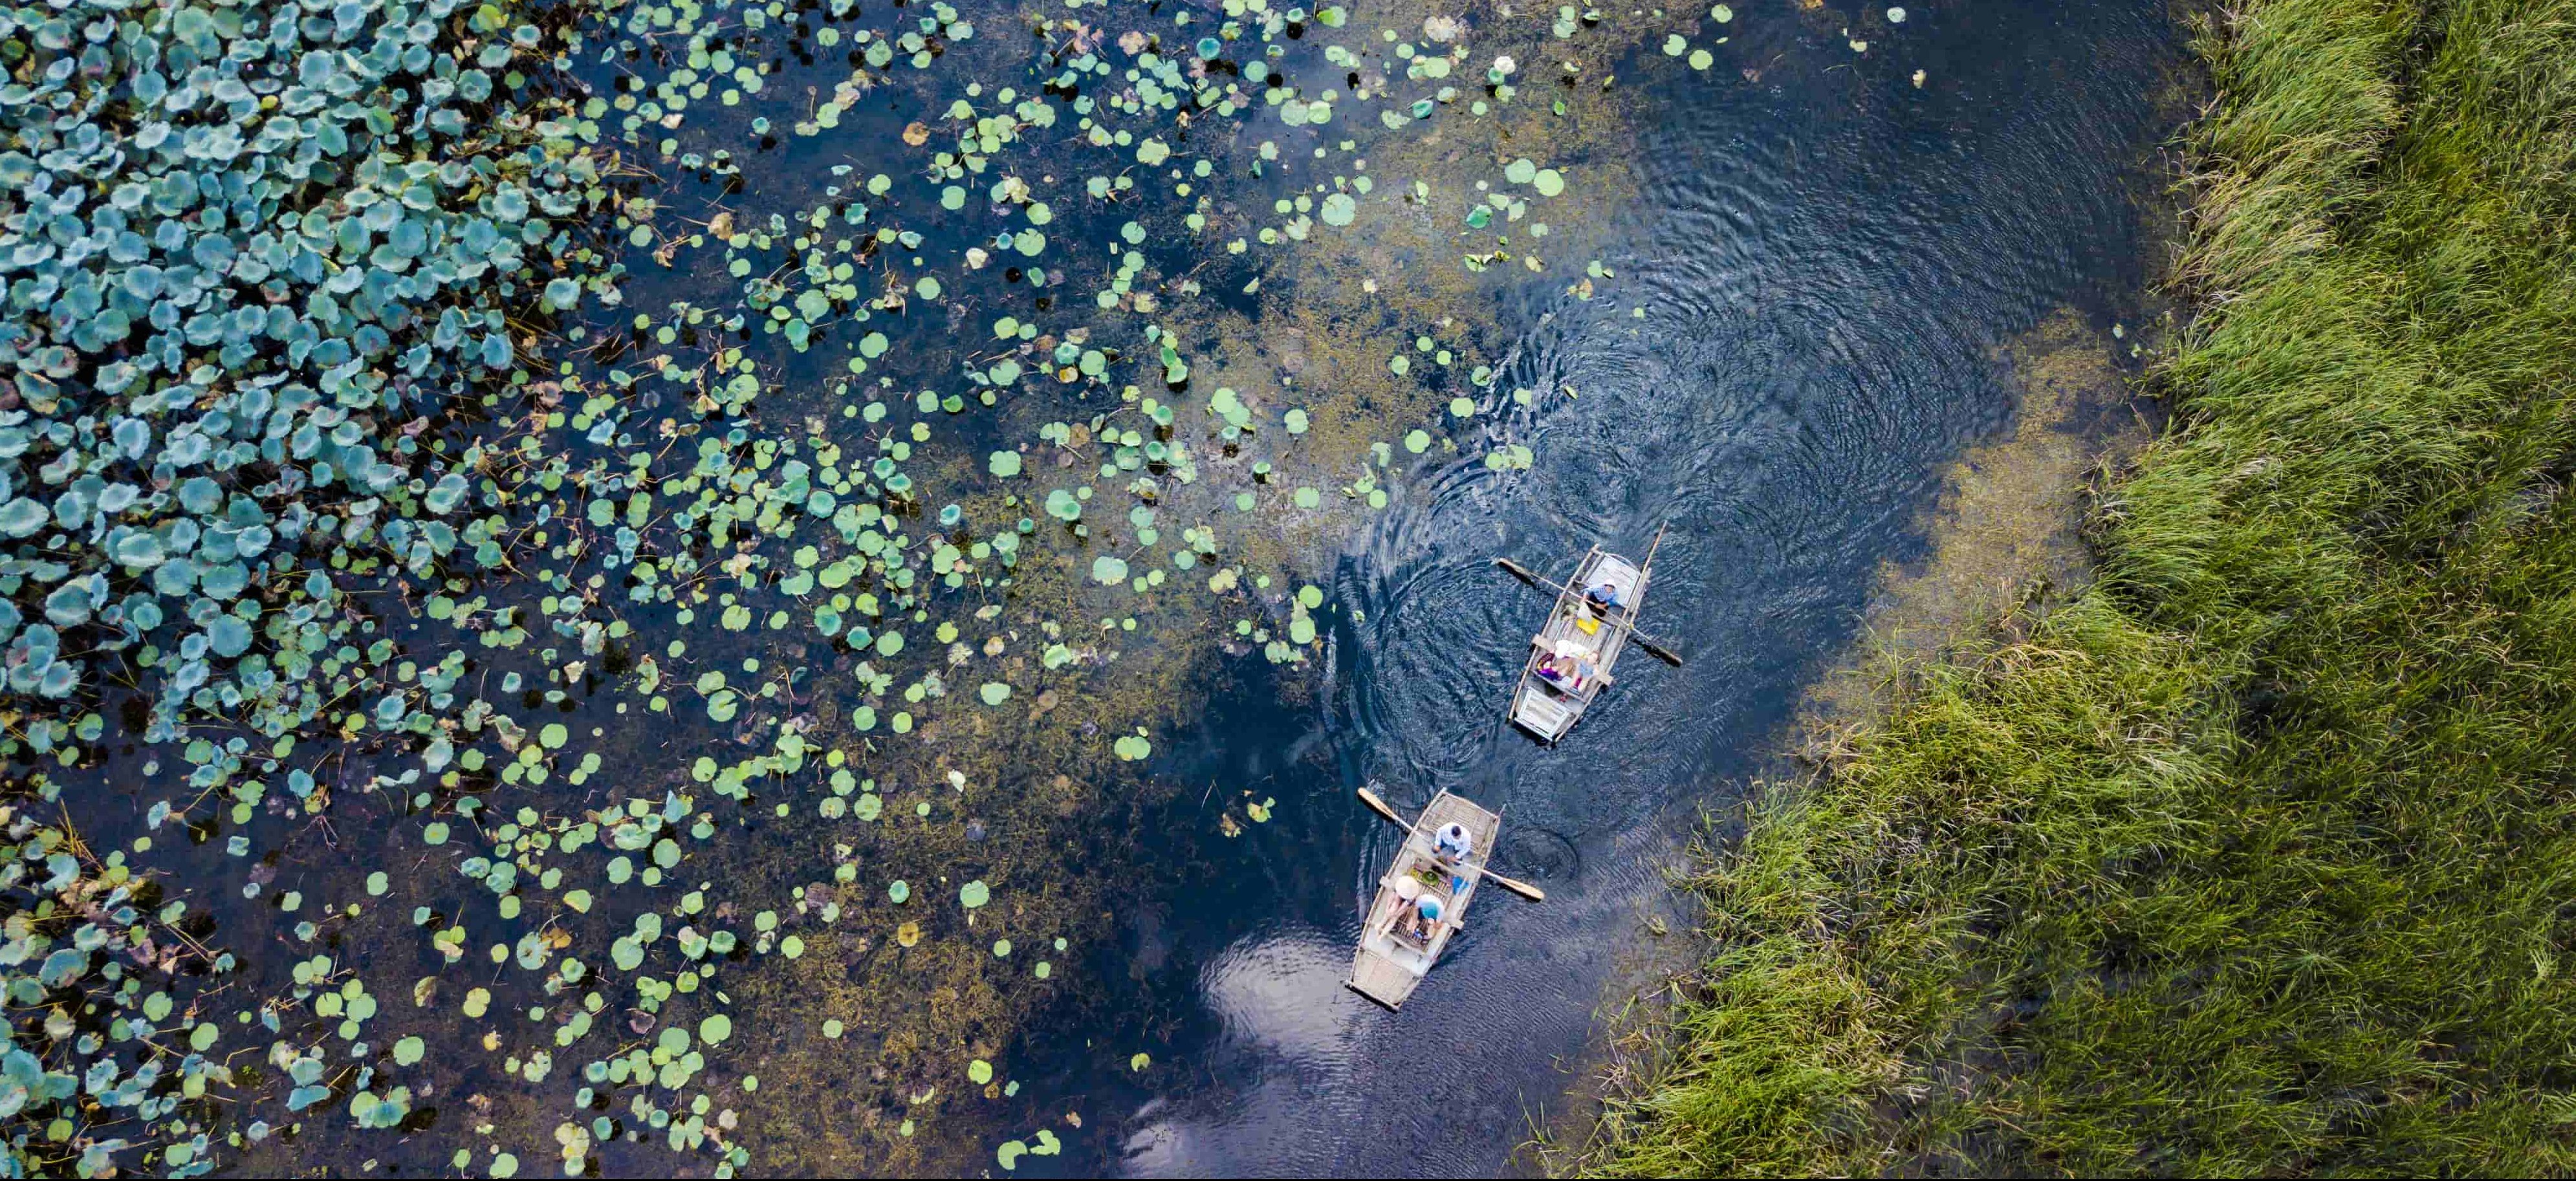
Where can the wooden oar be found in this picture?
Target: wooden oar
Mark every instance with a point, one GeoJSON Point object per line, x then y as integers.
{"type": "Point", "coordinates": [1653, 648]}
{"type": "Point", "coordinates": [1370, 798]}
{"type": "Point", "coordinates": [1524, 889]}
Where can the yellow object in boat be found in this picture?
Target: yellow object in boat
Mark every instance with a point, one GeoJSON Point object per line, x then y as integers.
{"type": "Point", "coordinates": [1589, 626]}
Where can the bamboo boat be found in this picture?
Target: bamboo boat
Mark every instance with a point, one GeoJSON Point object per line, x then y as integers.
{"type": "Point", "coordinates": [1581, 641]}
{"type": "Point", "coordinates": [1392, 961]}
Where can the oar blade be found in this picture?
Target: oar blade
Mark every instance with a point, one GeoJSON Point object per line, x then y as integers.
{"type": "Point", "coordinates": [1524, 889]}
{"type": "Point", "coordinates": [1379, 806]}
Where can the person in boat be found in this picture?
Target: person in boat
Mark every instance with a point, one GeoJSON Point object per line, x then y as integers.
{"type": "Point", "coordinates": [1416, 910]}
{"type": "Point", "coordinates": [1452, 844]}
{"type": "Point", "coordinates": [1561, 671]}
{"type": "Point", "coordinates": [1423, 916]}
{"type": "Point", "coordinates": [1602, 598]}
{"type": "Point", "coordinates": [1570, 667]}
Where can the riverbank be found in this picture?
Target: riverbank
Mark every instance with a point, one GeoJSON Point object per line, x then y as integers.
{"type": "Point", "coordinates": [2249, 856]}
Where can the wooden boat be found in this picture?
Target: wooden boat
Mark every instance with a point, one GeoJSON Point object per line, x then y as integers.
{"type": "Point", "coordinates": [1391, 962]}
{"type": "Point", "coordinates": [1584, 640]}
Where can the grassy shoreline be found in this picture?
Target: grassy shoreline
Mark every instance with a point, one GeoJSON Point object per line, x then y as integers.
{"type": "Point", "coordinates": [2258, 854]}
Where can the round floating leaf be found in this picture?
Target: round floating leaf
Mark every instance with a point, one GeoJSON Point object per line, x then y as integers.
{"type": "Point", "coordinates": [1004, 464]}
{"type": "Point", "coordinates": [715, 1028]}
{"type": "Point", "coordinates": [995, 692]}
{"type": "Point", "coordinates": [974, 894]}
{"type": "Point", "coordinates": [1108, 571]}
{"type": "Point", "coordinates": [228, 636]}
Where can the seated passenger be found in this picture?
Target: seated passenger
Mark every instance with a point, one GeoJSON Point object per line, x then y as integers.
{"type": "Point", "coordinates": [1602, 597]}
{"type": "Point", "coordinates": [1421, 920]}
{"type": "Point", "coordinates": [1561, 671]}
{"type": "Point", "coordinates": [1452, 844]}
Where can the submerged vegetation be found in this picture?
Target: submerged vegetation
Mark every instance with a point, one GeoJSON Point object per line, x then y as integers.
{"type": "Point", "coordinates": [2255, 856]}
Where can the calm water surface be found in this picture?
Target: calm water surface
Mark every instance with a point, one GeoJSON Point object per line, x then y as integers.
{"type": "Point", "coordinates": [1831, 259]}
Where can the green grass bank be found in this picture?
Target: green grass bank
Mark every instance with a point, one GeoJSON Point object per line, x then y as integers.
{"type": "Point", "coordinates": [2260, 854]}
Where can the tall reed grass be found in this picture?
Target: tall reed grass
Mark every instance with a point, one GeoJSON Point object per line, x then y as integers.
{"type": "Point", "coordinates": [2260, 855]}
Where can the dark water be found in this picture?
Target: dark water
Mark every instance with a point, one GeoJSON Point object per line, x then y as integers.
{"type": "Point", "coordinates": [1828, 257]}
{"type": "Point", "coordinates": [1832, 256]}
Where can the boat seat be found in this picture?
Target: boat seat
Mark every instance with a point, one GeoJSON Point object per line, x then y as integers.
{"type": "Point", "coordinates": [1545, 713]}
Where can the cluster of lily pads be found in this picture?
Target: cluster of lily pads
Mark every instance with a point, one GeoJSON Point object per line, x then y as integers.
{"type": "Point", "coordinates": [93, 1037]}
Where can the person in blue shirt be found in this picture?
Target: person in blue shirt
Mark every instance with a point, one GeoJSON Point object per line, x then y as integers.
{"type": "Point", "coordinates": [1424, 920]}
